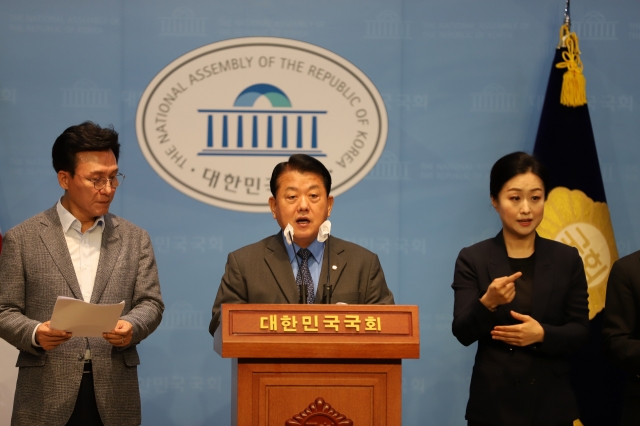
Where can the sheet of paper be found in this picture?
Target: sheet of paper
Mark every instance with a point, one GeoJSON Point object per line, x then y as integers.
{"type": "Point", "coordinates": [84, 319]}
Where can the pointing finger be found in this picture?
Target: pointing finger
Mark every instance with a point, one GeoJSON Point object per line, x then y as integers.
{"type": "Point", "coordinates": [504, 281]}
{"type": "Point", "coordinates": [512, 278]}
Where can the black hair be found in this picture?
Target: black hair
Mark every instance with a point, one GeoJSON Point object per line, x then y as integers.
{"type": "Point", "coordinates": [300, 163]}
{"type": "Point", "coordinates": [515, 164]}
{"type": "Point", "coordinates": [87, 136]}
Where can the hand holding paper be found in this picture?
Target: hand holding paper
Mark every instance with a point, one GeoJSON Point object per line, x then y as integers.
{"type": "Point", "coordinates": [50, 338]}
{"type": "Point", "coordinates": [121, 335]}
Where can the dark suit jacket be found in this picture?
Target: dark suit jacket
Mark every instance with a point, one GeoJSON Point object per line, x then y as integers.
{"type": "Point", "coordinates": [261, 273]}
{"type": "Point", "coordinates": [35, 268]}
{"type": "Point", "coordinates": [522, 386]}
{"type": "Point", "coordinates": [621, 329]}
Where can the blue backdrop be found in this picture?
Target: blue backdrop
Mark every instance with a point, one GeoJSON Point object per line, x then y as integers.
{"type": "Point", "coordinates": [463, 82]}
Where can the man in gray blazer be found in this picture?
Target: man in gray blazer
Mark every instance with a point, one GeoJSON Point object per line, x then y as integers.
{"type": "Point", "coordinates": [293, 264]}
{"type": "Point", "coordinates": [78, 249]}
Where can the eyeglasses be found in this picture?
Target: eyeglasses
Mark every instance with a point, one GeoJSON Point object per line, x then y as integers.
{"type": "Point", "coordinates": [101, 183]}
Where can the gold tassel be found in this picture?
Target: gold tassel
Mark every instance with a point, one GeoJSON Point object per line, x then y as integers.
{"type": "Point", "coordinates": [574, 85]}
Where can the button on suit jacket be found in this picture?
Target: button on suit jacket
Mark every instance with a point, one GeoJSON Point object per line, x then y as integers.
{"type": "Point", "coordinates": [522, 386]}
{"type": "Point", "coordinates": [262, 273]}
{"type": "Point", "coordinates": [35, 268]}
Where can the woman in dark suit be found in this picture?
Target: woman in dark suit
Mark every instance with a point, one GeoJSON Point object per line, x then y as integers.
{"type": "Point", "coordinates": [523, 298]}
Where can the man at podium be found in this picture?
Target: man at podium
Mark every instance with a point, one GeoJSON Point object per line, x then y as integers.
{"type": "Point", "coordinates": [301, 263]}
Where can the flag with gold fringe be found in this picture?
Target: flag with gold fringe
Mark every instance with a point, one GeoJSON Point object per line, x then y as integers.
{"type": "Point", "coordinates": [576, 213]}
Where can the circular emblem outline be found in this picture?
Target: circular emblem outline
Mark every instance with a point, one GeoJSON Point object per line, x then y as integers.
{"type": "Point", "coordinates": [183, 60]}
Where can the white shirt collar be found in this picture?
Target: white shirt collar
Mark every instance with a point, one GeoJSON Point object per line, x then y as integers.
{"type": "Point", "coordinates": [67, 219]}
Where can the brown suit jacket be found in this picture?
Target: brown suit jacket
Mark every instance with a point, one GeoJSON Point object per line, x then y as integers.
{"type": "Point", "coordinates": [261, 273]}
{"type": "Point", "coordinates": [35, 268]}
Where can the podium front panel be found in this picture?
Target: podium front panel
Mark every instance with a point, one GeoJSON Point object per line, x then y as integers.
{"type": "Point", "coordinates": [274, 392]}
{"type": "Point", "coordinates": [305, 362]}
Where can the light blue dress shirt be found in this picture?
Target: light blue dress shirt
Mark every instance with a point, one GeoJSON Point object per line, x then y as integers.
{"type": "Point", "coordinates": [315, 260]}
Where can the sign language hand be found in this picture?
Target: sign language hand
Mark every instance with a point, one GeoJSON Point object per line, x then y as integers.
{"type": "Point", "coordinates": [121, 335]}
{"type": "Point", "coordinates": [501, 291]}
{"type": "Point", "coordinates": [50, 338]}
{"type": "Point", "coordinates": [525, 334]}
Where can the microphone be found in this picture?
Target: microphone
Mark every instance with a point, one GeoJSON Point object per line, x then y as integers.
{"type": "Point", "coordinates": [323, 235]}
{"type": "Point", "coordinates": [302, 288]}
{"type": "Point", "coordinates": [327, 290]}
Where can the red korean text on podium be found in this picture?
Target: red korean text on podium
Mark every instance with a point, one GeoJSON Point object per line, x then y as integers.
{"type": "Point", "coordinates": [317, 364]}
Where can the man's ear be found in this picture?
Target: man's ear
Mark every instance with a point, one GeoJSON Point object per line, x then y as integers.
{"type": "Point", "coordinates": [272, 206]}
{"type": "Point", "coordinates": [63, 179]}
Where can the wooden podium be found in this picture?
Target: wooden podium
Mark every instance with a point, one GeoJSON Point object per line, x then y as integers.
{"type": "Point", "coordinates": [324, 365]}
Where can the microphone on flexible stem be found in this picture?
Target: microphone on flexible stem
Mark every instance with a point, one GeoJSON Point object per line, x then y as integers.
{"type": "Point", "coordinates": [323, 235]}
{"type": "Point", "coordinates": [302, 288]}
{"type": "Point", "coordinates": [327, 290]}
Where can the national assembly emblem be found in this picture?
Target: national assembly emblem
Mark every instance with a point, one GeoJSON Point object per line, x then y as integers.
{"type": "Point", "coordinates": [214, 122]}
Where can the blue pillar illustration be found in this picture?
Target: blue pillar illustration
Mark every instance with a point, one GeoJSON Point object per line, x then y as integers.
{"type": "Point", "coordinates": [314, 132]}
{"type": "Point", "coordinates": [210, 131]}
{"type": "Point", "coordinates": [225, 133]}
{"type": "Point", "coordinates": [239, 131]}
{"type": "Point", "coordinates": [254, 141]}
{"type": "Point", "coordinates": [284, 131]}
{"type": "Point", "coordinates": [299, 133]}
{"type": "Point", "coordinates": [269, 132]}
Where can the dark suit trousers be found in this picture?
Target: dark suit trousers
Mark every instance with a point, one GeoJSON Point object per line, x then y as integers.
{"type": "Point", "coordinates": [85, 413]}
{"type": "Point", "coordinates": [630, 410]}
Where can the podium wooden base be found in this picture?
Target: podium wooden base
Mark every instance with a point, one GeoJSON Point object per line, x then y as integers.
{"type": "Point", "coordinates": [317, 365]}
{"type": "Point", "coordinates": [271, 392]}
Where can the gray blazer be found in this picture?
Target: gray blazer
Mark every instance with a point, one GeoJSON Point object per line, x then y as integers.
{"type": "Point", "coordinates": [35, 268]}
{"type": "Point", "coordinates": [261, 273]}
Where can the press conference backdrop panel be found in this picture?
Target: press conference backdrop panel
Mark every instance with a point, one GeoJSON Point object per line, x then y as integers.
{"type": "Point", "coordinates": [463, 82]}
